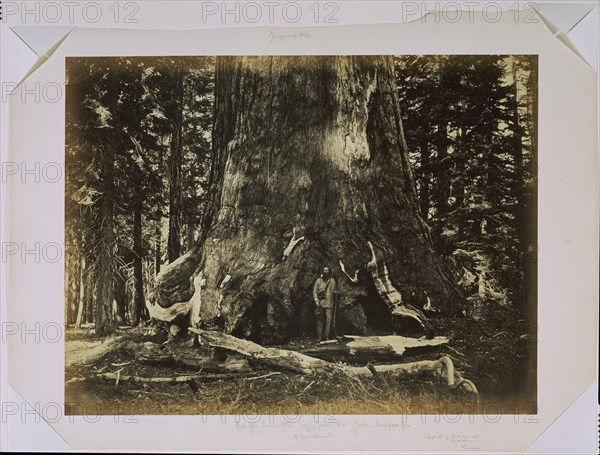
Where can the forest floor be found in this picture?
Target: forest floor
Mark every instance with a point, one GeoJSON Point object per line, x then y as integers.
{"type": "Point", "coordinates": [493, 354]}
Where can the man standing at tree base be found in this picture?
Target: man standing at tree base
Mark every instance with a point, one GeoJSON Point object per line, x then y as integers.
{"type": "Point", "coordinates": [324, 297]}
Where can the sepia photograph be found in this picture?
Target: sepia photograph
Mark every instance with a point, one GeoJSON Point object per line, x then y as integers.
{"type": "Point", "coordinates": [340, 234]}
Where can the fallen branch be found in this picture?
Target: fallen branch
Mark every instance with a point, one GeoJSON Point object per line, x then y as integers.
{"type": "Point", "coordinates": [117, 377]}
{"type": "Point", "coordinates": [264, 375]}
{"type": "Point", "coordinates": [304, 364]}
{"type": "Point", "coordinates": [308, 386]}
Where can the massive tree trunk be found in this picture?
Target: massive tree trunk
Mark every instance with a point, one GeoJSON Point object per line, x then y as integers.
{"type": "Point", "coordinates": [310, 168]}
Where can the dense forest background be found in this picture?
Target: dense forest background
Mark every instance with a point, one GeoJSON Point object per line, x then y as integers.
{"type": "Point", "coordinates": [135, 197]}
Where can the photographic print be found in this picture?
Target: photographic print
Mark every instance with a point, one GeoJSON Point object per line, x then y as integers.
{"type": "Point", "coordinates": [301, 234]}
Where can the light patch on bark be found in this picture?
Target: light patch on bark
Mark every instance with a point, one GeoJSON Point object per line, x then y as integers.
{"type": "Point", "coordinates": [181, 308]}
{"type": "Point", "coordinates": [428, 306]}
{"type": "Point", "coordinates": [390, 295]}
{"type": "Point", "coordinates": [481, 286]}
{"type": "Point", "coordinates": [221, 295]}
{"type": "Point", "coordinates": [394, 294]}
{"type": "Point", "coordinates": [175, 264]}
{"type": "Point", "coordinates": [293, 242]}
{"type": "Point", "coordinates": [355, 143]}
{"type": "Point", "coordinates": [382, 281]}
{"type": "Point", "coordinates": [354, 279]}
{"type": "Point", "coordinates": [225, 281]}
{"type": "Point", "coordinates": [168, 314]}
{"type": "Point", "coordinates": [199, 283]}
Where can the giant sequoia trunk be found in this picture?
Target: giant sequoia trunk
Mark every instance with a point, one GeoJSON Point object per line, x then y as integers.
{"type": "Point", "coordinates": [103, 320]}
{"type": "Point", "coordinates": [310, 168]}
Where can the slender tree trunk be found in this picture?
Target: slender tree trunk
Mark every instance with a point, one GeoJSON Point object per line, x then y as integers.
{"type": "Point", "coordinates": [91, 300]}
{"type": "Point", "coordinates": [68, 293]}
{"type": "Point", "coordinates": [424, 193]}
{"type": "Point", "coordinates": [492, 187]}
{"type": "Point", "coordinates": [175, 196]}
{"type": "Point", "coordinates": [310, 168]}
{"type": "Point", "coordinates": [120, 297]}
{"type": "Point", "coordinates": [442, 191]}
{"type": "Point", "coordinates": [104, 316]}
{"type": "Point", "coordinates": [190, 231]}
{"type": "Point", "coordinates": [81, 296]}
{"type": "Point", "coordinates": [157, 250]}
{"type": "Point", "coordinates": [76, 289]}
{"type": "Point", "coordinates": [519, 165]}
{"type": "Point", "coordinates": [138, 273]}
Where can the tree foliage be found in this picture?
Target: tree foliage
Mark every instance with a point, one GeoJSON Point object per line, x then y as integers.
{"type": "Point", "coordinates": [129, 104]}
{"type": "Point", "coordinates": [469, 123]}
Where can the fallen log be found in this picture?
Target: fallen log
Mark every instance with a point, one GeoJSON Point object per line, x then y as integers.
{"type": "Point", "coordinates": [273, 357]}
{"type": "Point", "coordinates": [81, 352]}
{"type": "Point", "coordinates": [187, 357]}
{"type": "Point", "coordinates": [359, 349]}
{"type": "Point", "coordinates": [304, 364]}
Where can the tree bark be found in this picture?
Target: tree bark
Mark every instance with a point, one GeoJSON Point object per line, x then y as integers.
{"type": "Point", "coordinates": [442, 192]}
{"type": "Point", "coordinates": [105, 266]}
{"type": "Point", "coordinates": [157, 251]}
{"type": "Point", "coordinates": [190, 232]}
{"type": "Point", "coordinates": [138, 273]}
{"type": "Point", "coordinates": [69, 294]}
{"type": "Point", "coordinates": [307, 147]}
{"type": "Point", "coordinates": [81, 295]}
{"type": "Point", "coordinates": [92, 297]}
{"type": "Point", "coordinates": [175, 159]}
{"type": "Point", "coordinates": [120, 297]}
{"type": "Point", "coordinates": [424, 193]}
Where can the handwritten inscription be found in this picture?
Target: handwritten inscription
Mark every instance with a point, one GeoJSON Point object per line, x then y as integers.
{"type": "Point", "coordinates": [280, 36]}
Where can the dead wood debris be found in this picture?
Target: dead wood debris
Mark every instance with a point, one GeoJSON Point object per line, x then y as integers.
{"type": "Point", "coordinates": [242, 353]}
